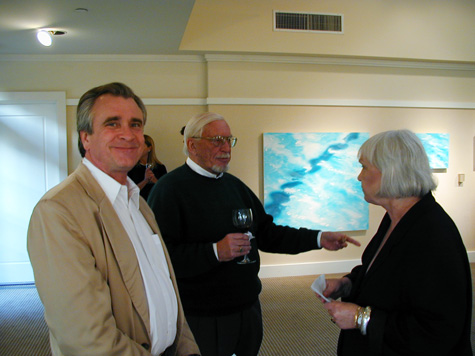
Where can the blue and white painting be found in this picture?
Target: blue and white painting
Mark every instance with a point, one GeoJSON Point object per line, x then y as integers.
{"type": "Point", "coordinates": [310, 180]}
{"type": "Point", "coordinates": [437, 149]}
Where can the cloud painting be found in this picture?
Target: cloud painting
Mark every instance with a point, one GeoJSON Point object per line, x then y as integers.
{"type": "Point", "coordinates": [310, 180]}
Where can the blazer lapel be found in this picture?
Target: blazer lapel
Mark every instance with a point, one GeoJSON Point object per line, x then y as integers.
{"type": "Point", "coordinates": [115, 234]}
{"type": "Point", "coordinates": [393, 240]}
{"type": "Point", "coordinates": [368, 255]}
{"type": "Point", "coordinates": [400, 231]}
{"type": "Point", "coordinates": [126, 257]}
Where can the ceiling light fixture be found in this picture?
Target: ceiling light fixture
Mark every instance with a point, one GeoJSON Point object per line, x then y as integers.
{"type": "Point", "coordinates": [45, 36]}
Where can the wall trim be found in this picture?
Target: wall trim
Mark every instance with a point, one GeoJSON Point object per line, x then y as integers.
{"type": "Point", "coordinates": [159, 102]}
{"type": "Point", "coordinates": [199, 58]}
{"type": "Point", "coordinates": [100, 58]}
{"type": "Point", "coordinates": [189, 101]}
{"type": "Point", "coordinates": [314, 268]}
{"type": "Point", "coordinates": [344, 61]}
{"type": "Point", "coordinates": [301, 102]}
{"type": "Point", "coordinates": [306, 269]}
{"type": "Point", "coordinates": [341, 102]}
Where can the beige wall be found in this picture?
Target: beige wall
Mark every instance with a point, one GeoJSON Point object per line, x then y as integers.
{"type": "Point", "coordinates": [460, 124]}
{"type": "Point", "coordinates": [152, 77]}
{"type": "Point", "coordinates": [422, 29]}
{"type": "Point", "coordinates": [259, 95]}
{"type": "Point", "coordinates": [320, 79]}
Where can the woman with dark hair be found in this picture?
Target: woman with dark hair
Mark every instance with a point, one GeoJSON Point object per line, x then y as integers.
{"type": "Point", "coordinates": [148, 169]}
{"type": "Point", "coordinates": [412, 294]}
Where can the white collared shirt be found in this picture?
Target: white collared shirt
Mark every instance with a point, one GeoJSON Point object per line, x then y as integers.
{"type": "Point", "coordinates": [161, 296]}
{"type": "Point", "coordinates": [200, 170]}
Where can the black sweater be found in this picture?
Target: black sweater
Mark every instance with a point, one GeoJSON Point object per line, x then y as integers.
{"type": "Point", "coordinates": [193, 212]}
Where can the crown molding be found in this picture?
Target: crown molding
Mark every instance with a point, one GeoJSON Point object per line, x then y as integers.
{"type": "Point", "coordinates": [340, 61]}
{"type": "Point", "coordinates": [99, 58]}
{"type": "Point", "coordinates": [367, 62]}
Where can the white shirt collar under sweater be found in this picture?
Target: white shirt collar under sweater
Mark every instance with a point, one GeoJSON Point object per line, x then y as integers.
{"type": "Point", "coordinates": [161, 296]}
{"type": "Point", "coordinates": [200, 170]}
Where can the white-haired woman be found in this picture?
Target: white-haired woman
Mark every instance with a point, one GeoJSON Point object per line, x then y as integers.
{"type": "Point", "coordinates": [412, 294]}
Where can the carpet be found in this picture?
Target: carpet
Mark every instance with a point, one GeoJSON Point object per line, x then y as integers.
{"type": "Point", "coordinates": [23, 331]}
{"type": "Point", "coordinates": [295, 322]}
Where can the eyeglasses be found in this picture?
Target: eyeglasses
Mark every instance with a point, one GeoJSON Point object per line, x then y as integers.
{"type": "Point", "coordinates": [219, 141]}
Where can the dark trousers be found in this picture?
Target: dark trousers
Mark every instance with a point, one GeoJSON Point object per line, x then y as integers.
{"type": "Point", "coordinates": [239, 333]}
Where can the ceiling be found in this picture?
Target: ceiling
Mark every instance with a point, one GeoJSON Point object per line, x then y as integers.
{"type": "Point", "coordinates": [157, 27]}
{"type": "Point", "coordinates": [140, 27]}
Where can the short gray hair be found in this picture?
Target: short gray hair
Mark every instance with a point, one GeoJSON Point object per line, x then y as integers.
{"type": "Point", "coordinates": [400, 157]}
{"type": "Point", "coordinates": [194, 127]}
{"type": "Point", "coordinates": [88, 99]}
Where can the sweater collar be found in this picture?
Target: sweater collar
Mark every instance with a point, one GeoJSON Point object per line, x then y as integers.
{"type": "Point", "coordinates": [200, 170]}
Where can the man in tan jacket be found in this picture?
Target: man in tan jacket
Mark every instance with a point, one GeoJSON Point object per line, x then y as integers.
{"type": "Point", "coordinates": [101, 268]}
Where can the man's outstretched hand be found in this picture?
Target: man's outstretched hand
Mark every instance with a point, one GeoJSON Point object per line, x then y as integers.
{"type": "Point", "coordinates": [336, 240]}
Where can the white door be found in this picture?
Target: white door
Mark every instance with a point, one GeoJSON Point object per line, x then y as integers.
{"type": "Point", "coordinates": [33, 159]}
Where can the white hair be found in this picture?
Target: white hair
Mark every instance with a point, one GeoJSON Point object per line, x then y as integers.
{"type": "Point", "coordinates": [400, 157]}
{"type": "Point", "coordinates": [194, 127]}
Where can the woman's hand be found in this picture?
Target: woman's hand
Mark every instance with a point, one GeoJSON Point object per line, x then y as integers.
{"type": "Point", "coordinates": [336, 288]}
{"type": "Point", "coordinates": [149, 176]}
{"type": "Point", "coordinates": [342, 314]}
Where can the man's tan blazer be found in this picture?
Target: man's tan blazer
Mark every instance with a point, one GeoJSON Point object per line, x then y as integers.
{"type": "Point", "coordinates": [88, 277]}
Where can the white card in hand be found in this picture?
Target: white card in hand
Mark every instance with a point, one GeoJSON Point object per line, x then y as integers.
{"type": "Point", "coordinates": [319, 285]}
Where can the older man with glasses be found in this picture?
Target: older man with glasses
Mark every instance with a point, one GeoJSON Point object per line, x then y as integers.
{"type": "Point", "coordinates": [193, 205]}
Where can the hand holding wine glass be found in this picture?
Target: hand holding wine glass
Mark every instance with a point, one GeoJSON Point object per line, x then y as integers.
{"type": "Point", "coordinates": [149, 175]}
{"type": "Point", "coordinates": [242, 219]}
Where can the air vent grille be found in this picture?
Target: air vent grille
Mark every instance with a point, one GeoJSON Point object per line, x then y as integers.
{"type": "Point", "coordinates": [293, 21]}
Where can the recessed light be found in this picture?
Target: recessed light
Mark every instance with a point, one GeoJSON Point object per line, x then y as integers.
{"type": "Point", "coordinates": [44, 36]}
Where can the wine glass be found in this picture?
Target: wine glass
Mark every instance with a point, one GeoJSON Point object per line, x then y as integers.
{"type": "Point", "coordinates": [242, 219]}
{"type": "Point", "coordinates": [147, 166]}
